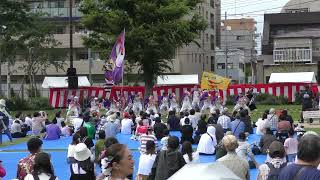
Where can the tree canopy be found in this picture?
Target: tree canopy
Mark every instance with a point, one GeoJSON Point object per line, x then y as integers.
{"type": "Point", "coordinates": [154, 30]}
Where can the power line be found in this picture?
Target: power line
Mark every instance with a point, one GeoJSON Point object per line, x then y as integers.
{"type": "Point", "coordinates": [249, 4]}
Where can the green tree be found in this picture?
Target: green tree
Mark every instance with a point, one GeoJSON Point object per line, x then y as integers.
{"type": "Point", "coordinates": [154, 30]}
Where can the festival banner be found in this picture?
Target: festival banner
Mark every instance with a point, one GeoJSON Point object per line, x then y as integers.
{"type": "Point", "coordinates": [115, 64]}
{"type": "Point", "coordinates": [212, 81]}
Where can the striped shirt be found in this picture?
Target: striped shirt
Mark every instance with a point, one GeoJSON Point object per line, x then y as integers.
{"type": "Point", "coordinates": [143, 141]}
{"type": "Point", "coordinates": [224, 121]}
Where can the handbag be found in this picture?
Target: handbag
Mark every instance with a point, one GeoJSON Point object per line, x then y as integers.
{"type": "Point", "coordinates": [256, 150]}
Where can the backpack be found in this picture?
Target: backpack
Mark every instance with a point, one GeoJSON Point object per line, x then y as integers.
{"type": "Point", "coordinates": [274, 172]}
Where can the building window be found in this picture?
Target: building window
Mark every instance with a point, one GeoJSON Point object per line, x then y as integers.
{"type": "Point", "coordinates": [59, 30]}
{"type": "Point", "coordinates": [212, 21]}
{"type": "Point", "coordinates": [241, 66]}
{"type": "Point", "coordinates": [221, 66]}
{"type": "Point", "coordinates": [207, 15]}
{"type": "Point", "coordinates": [82, 56]}
{"type": "Point", "coordinates": [230, 65]}
{"type": "Point", "coordinates": [56, 4]}
{"type": "Point", "coordinates": [200, 58]}
{"type": "Point", "coordinates": [207, 37]}
{"type": "Point", "coordinates": [36, 5]}
{"type": "Point", "coordinates": [212, 3]}
{"type": "Point", "coordinates": [240, 38]}
{"type": "Point", "coordinates": [212, 63]}
{"type": "Point", "coordinates": [212, 42]}
{"type": "Point", "coordinates": [207, 59]}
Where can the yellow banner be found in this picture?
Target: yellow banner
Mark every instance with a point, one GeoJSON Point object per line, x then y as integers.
{"type": "Point", "coordinates": [212, 81]}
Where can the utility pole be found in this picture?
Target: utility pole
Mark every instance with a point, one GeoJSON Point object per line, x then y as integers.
{"type": "Point", "coordinates": [225, 40]}
{"type": "Point", "coordinates": [90, 65]}
{"type": "Point", "coordinates": [8, 80]}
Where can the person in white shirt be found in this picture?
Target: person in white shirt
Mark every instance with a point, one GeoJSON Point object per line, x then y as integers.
{"type": "Point", "coordinates": [188, 154]}
{"type": "Point", "coordinates": [186, 114]}
{"type": "Point", "coordinates": [262, 124]}
{"type": "Point", "coordinates": [75, 141]}
{"type": "Point", "coordinates": [42, 168]}
{"type": "Point", "coordinates": [146, 161]}
{"type": "Point", "coordinates": [225, 121]}
{"type": "Point", "coordinates": [77, 122]}
{"type": "Point", "coordinates": [208, 141]}
{"type": "Point", "coordinates": [126, 124]}
{"type": "Point", "coordinates": [193, 118]}
{"type": "Point", "coordinates": [28, 121]}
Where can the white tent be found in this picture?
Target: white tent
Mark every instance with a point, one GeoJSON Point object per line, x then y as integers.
{"type": "Point", "coordinates": [178, 79]}
{"type": "Point", "coordinates": [296, 77]}
{"type": "Point", "coordinates": [62, 82]}
{"type": "Point", "coordinates": [204, 171]}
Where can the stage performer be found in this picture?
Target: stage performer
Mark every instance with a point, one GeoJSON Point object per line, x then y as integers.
{"type": "Point", "coordinates": [217, 103]}
{"type": "Point", "coordinates": [152, 104]}
{"type": "Point", "coordinates": [186, 104]}
{"type": "Point", "coordinates": [106, 103]}
{"type": "Point", "coordinates": [206, 101]}
{"type": "Point", "coordinates": [94, 105]}
{"type": "Point", "coordinates": [196, 98]}
{"type": "Point", "coordinates": [241, 103]}
{"type": "Point", "coordinates": [137, 102]}
{"type": "Point", "coordinates": [174, 106]}
{"type": "Point", "coordinates": [164, 101]}
{"type": "Point", "coordinates": [307, 101]}
{"type": "Point", "coordinates": [251, 95]}
{"type": "Point", "coordinates": [74, 107]}
{"type": "Point", "coordinates": [114, 106]}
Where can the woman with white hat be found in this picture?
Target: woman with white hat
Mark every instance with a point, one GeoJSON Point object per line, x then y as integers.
{"type": "Point", "coordinates": [4, 120]}
{"type": "Point", "coordinates": [208, 141]}
{"type": "Point", "coordinates": [83, 167]}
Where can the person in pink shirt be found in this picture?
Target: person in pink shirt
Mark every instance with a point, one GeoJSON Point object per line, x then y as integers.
{"type": "Point", "coordinates": [2, 170]}
{"type": "Point", "coordinates": [291, 146]}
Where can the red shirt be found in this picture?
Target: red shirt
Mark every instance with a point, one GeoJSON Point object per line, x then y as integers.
{"type": "Point", "coordinates": [142, 129]}
{"type": "Point", "coordinates": [25, 166]}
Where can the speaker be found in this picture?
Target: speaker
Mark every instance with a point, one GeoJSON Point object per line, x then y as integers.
{"type": "Point", "coordinates": [72, 78]}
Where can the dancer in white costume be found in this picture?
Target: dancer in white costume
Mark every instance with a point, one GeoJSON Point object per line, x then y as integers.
{"type": "Point", "coordinates": [164, 103]}
{"type": "Point", "coordinates": [241, 103]}
{"type": "Point", "coordinates": [94, 105]}
{"type": "Point", "coordinates": [74, 107]}
{"type": "Point", "coordinates": [137, 103]}
{"type": "Point", "coordinates": [217, 104]}
{"type": "Point", "coordinates": [114, 106]}
{"type": "Point", "coordinates": [152, 104]}
{"type": "Point", "coordinates": [206, 98]}
{"type": "Point", "coordinates": [195, 98]}
{"type": "Point", "coordinates": [174, 106]}
{"type": "Point", "coordinates": [186, 104]}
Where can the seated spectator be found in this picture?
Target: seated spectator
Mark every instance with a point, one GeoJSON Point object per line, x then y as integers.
{"type": "Point", "coordinates": [219, 132]}
{"type": "Point", "coordinates": [107, 143]}
{"type": "Point", "coordinates": [84, 138]}
{"type": "Point", "coordinates": [186, 131]}
{"type": "Point", "coordinates": [236, 164]}
{"type": "Point", "coordinates": [164, 140]}
{"type": "Point", "coordinates": [167, 162]}
{"type": "Point", "coordinates": [83, 167]}
{"type": "Point", "coordinates": [244, 150]}
{"type": "Point", "coordinates": [110, 127]}
{"type": "Point", "coordinates": [42, 168]}
{"type": "Point", "coordinates": [287, 116]}
{"type": "Point", "coordinates": [158, 128]}
{"type": "Point", "coordinates": [237, 127]}
{"type": "Point", "coordinates": [126, 124]}
{"type": "Point", "coordinates": [89, 125]}
{"type": "Point", "coordinates": [186, 114]}
{"type": "Point", "coordinates": [188, 154]}
{"type": "Point", "coordinates": [202, 126]}
{"type": "Point", "coordinates": [146, 137]}
{"type": "Point", "coordinates": [146, 161]}
{"type": "Point", "coordinates": [77, 122]}
{"type": "Point", "coordinates": [16, 130]}
{"type": "Point", "coordinates": [284, 127]}
{"type": "Point", "coordinates": [291, 147]}
{"type": "Point", "coordinates": [59, 118]}
{"type": "Point", "coordinates": [193, 118]}
{"type": "Point", "coordinates": [262, 124]}
{"type": "Point", "coordinates": [99, 146]}
{"type": "Point", "coordinates": [272, 168]}
{"type": "Point", "coordinates": [173, 122]}
{"type": "Point", "coordinates": [65, 130]}
{"type": "Point", "coordinates": [225, 121]}
{"type": "Point", "coordinates": [272, 120]}
{"type": "Point", "coordinates": [213, 119]}
{"type": "Point", "coordinates": [37, 125]}
{"type": "Point", "coordinates": [53, 131]}
{"type": "Point", "coordinates": [208, 142]}
{"type": "Point", "coordinates": [266, 140]}
{"type": "Point", "coordinates": [2, 170]}
{"type": "Point", "coordinates": [308, 159]}
{"type": "Point", "coordinates": [28, 121]}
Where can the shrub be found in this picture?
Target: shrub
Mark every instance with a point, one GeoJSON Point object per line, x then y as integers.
{"type": "Point", "coordinates": [16, 103]}
{"type": "Point", "coordinates": [38, 103]}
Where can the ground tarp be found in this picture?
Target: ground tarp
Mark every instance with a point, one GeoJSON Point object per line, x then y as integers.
{"type": "Point", "coordinates": [62, 82]}
{"type": "Point", "coordinates": [295, 77]}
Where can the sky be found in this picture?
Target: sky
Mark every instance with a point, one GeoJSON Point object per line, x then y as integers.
{"type": "Point", "coordinates": [251, 9]}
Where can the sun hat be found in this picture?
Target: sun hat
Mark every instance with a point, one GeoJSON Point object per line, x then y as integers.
{"type": "Point", "coordinates": [81, 152]}
{"type": "Point", "coordinates": [3, 102]}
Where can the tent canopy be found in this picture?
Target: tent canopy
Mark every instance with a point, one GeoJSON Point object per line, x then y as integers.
{"type": "Point", "coordinates": [62, 82]}
{"type": "Point", "coordinates": [297, 77]}
{"type": "Point", "coordinates": [178, 79]}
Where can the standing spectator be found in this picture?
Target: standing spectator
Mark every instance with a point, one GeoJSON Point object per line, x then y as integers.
{"type": "Point", "coordinates": [193, 118]}
{"type": "Point", "coordinates": [262, 124]}
{"type": "Point", "coordinates": [188, 154]}
{"type": "Point", "coordinates": [272, 120]}
{"type": "Point", "coordinates": [159, 128]}
{"type": "Point", "coordinates": [173, 122]}
{"type": "Point", "coordinates": [306, 98]}
{"type": "Point", "coordinates": [244, 150]}
{"type": "Point", "coordinates": [146, 161]}
{"type": "Point", "coordinates": [208, 141]}
{"type": "Point", "coordinates": [186, 131]}
{"type": "Point", "coordinates": [4, 121]}
{"type": "Point", "coordinates": [16, 130]}
{"type": "Point", "coordinates": [89, 126]}
{"type": "Point", "coordinates": [37, 123]}
{"type": "Point", "coordinates": [75, 141]}
{"type": "Point", "coordinates": [236, 164]}
{"type": "Point", "coordinates": [164, 140]}
{"type": "Point", "coordinates": [111, 128]}
{"type": "Point", "coordinates": [308, 159]}
{"type": "Point", "coordinates": [82, 168]}
{"type": "Point", "coordinates": [126, 124]}
{"type": "Point", "coordinates": [2, 170]}
{"type": "Point", "coordinates": [272, 168]}
{"type": "Point", "coordinates": [65, 130]}
{"type": "Point", "coordinates": [28, 121]}
{"type": "Point", "coordinates": [42, 168]}
{"type": "Point", "coordinates": [225, 121]}
{"type": "Point", "coordinates": [266, 140]}
{"type": "Point", "coordinates": [287, 116]}
{"type": "Point", "coordinates": [53, 131]}
{"type": "Point", "coordinates": [25, 165]}
{"type": "Point", "coordinates": [99, 147]}
{"type": "Point", "coordinates": [237, 127]}
{"type": "Point", "coordinates": [168, 162]}
{"type": "Point", "coordinates": [119, 162]}
{"type": "Point", "coordinates": [291, 147]}
{"type": "Point", "coordinates": [144, 138]}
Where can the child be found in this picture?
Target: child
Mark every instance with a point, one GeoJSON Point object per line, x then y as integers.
{"type": "Point", "coordinates": [146, 161]}
{"type": "Point", "coordinates": [164, 140]}
{"type": "Point", "coordinates": [291, 147]}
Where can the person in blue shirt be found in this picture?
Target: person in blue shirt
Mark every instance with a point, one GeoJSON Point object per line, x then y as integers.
{"type": "Point", "coordinates": [237, 126]}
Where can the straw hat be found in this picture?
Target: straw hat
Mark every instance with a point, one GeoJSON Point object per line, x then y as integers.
{"type": "Point", "coordinates": [81, 152]}
{"type": "Point", "coordinates": [3, 102]}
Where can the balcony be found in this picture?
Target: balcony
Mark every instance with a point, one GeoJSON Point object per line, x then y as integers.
{"type": "Point", "coordinates": [292, 55]}
{"type": "Point", "coordinates": [58, 12]}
